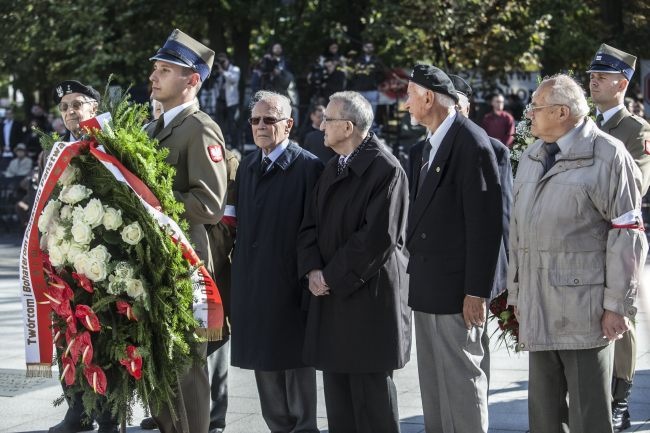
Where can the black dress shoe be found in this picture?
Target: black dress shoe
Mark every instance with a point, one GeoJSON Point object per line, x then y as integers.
{"type": "Point", "coordinates": [108, 428]}
{"type": "Point", "coordinates": [66, 426]}
{"type": "Point", "coordinates": [148, 424]}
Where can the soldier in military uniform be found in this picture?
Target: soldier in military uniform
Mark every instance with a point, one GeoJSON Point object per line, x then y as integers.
{"type": "Point", "coordinates": [197, 152]}
{"type": "Point", "coordinates": [611, 72]}
{"type": "Point", "coordinates": [78, 102]}
{"type": "Point", "coordinates": [222, 240]}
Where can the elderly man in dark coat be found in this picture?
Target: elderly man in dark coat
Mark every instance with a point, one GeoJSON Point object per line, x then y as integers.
{"type": "Point", "coordinates": [351, 246]}
{"type": "Point", "coordinates": [272, 187]}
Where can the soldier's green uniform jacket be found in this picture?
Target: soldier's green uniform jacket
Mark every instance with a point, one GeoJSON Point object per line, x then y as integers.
{"type": "Point", "coordinates": [222, 240]}
{"type": "Point", "coordinates": [197, 152]}
{"type": "Point", "coordinates": [634, 132]}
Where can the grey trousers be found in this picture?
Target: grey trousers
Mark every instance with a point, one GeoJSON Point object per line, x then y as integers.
{"type": "Point", "coordinates": [192, 402]}
{"type": "Point", "coordinates": [288, 399]}
{"type": "Point", "coordinates": [218, 361]}
{"type": "Point", "coordinates": [625, 355]}
{"type": "Point", "coordinates": [453, 387]}
{"type": "Point", "coordinates": [586, 375]}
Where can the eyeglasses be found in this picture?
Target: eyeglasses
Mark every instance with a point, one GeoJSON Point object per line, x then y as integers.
{"type": "Point", "coordinates": [332, 119]}
{"type": "Point", "coordinates": [530, 108]}
{"type": "Point", "coordinates": [267, 120]}
{"type": "Point", "coordinates": [63, 106]}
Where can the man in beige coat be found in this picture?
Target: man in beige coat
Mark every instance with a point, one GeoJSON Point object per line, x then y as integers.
{"type": "Point", "coordinates": [196, 150]}
{"type": "Point", "coordinates": [610, 74]}
{"type": "Point", "coordinates": [576, 252]}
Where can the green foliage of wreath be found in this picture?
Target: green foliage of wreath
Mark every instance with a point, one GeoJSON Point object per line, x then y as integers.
{"type": "Point", "coordinates": [165, 327]}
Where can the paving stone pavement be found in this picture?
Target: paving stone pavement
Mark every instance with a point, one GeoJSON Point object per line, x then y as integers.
{"type": "Point", "coordinates": [26, 404]}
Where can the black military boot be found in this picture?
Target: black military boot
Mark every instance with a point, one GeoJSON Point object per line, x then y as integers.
{"type": "Point", "coordinates": [620, 413]}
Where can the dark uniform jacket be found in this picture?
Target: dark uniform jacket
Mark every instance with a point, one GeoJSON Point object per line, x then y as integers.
{"type": "Point", "coordinates": [197, 152]}
{"type": "Point", "coordinates": [455, 223]}
{"type": "Point", "coordinates": [634, 132]}
{"type": "Point", "coordinates": [355, 232]}
{"type": "Point", "coordinates": [267, 317]}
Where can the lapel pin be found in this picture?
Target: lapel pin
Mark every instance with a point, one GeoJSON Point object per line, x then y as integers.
{"type": "Point", "coordinates": [437, 169]}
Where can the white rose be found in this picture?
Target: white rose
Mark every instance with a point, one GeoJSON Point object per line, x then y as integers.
{"type": "Point", "coordinates": [123, 270]}
{"type": "Point", "coordinates": [43, 242]}
{"type": "Point", "coordinates": [57, 257]}
{"type": "Point", "coordinates": [112, 218]}
{"type": "Point", "coordinates": [132, 234]}
{"type": "Point", "coordinates": [64, 246]}
{"type": "Point", "coordinates": [77, 215]}
{"type": "Point", "coordinates": [69, 175]}
{"type": "Point", "coordinates": [60, 232]}
{"type": "Point", "coordinates": [74, 250]}
{"type": "Point", "coordinates": [134, 288]}
{"type": "Point", "coordinates": [115, 285]}
{"type": "Point", "coordinates": [100, 253]}
{"type": "Point", "coordinates": [72, 194]}
{"type": "Point", "coordinates": [66, 212]}
{"type": "Point", "coordinates": [81, 233]}
{"type": "Point", "coordinates": [94, 212]}
{"type": "Point", "coordinates": [81, 262]}
{"type": "Point", "coordinates": [96, 269]}
{"type": "Point", "coordinates": [49, 215]}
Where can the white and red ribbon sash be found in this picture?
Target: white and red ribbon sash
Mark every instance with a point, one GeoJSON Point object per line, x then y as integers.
{"type": "Point", "coordinates": [208, 308]}
{"type": "Point", "coordinates": [630, 220]}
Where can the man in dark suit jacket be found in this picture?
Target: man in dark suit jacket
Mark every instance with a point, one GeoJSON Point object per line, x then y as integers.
{"type": "Point", "coordinates": [352, 249]}
{"type": "Point", "coordinates": [455, 227]}
{"type": "Point", "coordinates": [272, 188]}
{"type": "Point", "coordinates": [502, 154]}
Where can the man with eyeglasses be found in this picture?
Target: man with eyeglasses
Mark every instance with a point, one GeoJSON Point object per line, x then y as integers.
{"type": "Point", "coordinates": [268, 297]}
{"type": "Point", "coordinates": [78, 102]}
{"type": "Point", "coordinates": [610, 74]}
{"type": "Point", "coordinates": [576, 253]}
{"type": "Point", "coordinates": [352, 250]}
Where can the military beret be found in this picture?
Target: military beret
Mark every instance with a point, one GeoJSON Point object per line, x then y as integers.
{"type": "Point", "coordinates": [72, 86]}
{"type": "Point", "coordinates": [461, 85]}
{"type": "Point", "coordinates": [433, 79]}
{"type": "Point", "coordinates": [610, 60]}
{"type": "Point", "coordinates": [181, 49]}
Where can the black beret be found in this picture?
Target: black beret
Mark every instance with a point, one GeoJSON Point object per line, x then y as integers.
{"type": "Point", "coordinates": [433, 79]}
{"type": "Point", "coordinates": [461, 85]}
{"type": "Point", "coordinates": [72, 86]}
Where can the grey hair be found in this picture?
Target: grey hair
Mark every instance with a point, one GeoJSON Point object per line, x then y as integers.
{"type": "Point", "coordinates": [355, 108]}
{"type": "Point", "coordinates": [442, 99]}
{"type": "Point", "coordinates": [564, 90]}
{"type": "Point", "coordinates": [463, 101]}
{"type": "Point", "coordinates": [276, 100]}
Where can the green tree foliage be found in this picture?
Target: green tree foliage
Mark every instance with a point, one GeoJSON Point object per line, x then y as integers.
{"type": "Point", "coordinates": [46, 41]}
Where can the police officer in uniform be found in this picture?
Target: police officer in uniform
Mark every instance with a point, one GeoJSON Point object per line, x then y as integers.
{"type": "Point", "coordinates": [610, 73]}
{"type": "Point", "coordinates": [197, 152]}
{"type": "Point", "coordinates": [78, 102]}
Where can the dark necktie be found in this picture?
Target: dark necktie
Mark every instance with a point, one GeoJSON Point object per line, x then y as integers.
{"type": "Point", "coordinates": [341, 166]}
{"type": "Point", "coordinates": [551, 150]}
{"type": "Point", "coordinates": [424, 165]}
{"type": "Point", "coordinates": [599, 120]}
{"type": "Point", "coordinates": [160, 124]}
{"type": "Point", "coordinates": [266, 162]}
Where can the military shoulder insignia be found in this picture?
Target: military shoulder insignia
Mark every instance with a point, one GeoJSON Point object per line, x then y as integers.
{"type": "Point", "coordinates": [215, 152]}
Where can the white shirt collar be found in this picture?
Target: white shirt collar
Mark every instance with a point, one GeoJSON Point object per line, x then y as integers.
{"type": "Point", "coordinates": [275, 153]}
{"type": "Point", "coordinates": [173, 112]}
{"type": "Point", "coordinates": [564, 142]}
{"type": "Point", "coordinates": [609, 113]}
{"type": "Point", "coordinates": [438, 135]}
